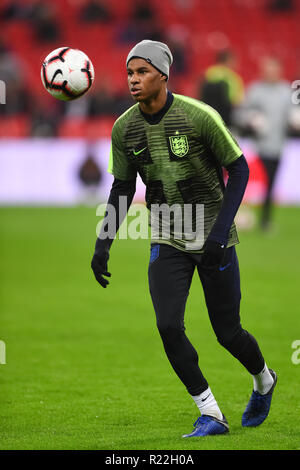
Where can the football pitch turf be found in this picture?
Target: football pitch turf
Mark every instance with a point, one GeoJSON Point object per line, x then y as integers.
{"type": "Point", "coordinates": [85, 366]}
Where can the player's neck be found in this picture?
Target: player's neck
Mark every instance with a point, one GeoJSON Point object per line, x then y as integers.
{"type": "Point", "coordinates": [155, 103]}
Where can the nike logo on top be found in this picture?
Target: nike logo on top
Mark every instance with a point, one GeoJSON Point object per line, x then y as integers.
{"type": "Point", "coordinates": [138, 151]}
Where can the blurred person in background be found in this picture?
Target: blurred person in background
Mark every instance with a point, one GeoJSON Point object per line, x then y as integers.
{"type": "Point", "coordinates": [102, 102]}
{"type": "Point", "coordinates": [15, 10]}
{"type": "Point", "coordinates": [90, 176]}
{"type": "Point", "coordinates": [178, 36]}
{"type": "Point", "coordinates": [265, 114]}
{"type": "Point", "coordinates": [222, 87]}
{"type": "Point", "coordinates": [280, 6]}
{"type": "Point", "coordinates": [46, 117]}
{"type": "Point", "coordinates": [12, 72]}
{"type": "Point", "coordinates": [142, 22]}
{"type": "Point", "coordinates": [96, 11]}
{"type": "Point", "coordinates": [43, 17]}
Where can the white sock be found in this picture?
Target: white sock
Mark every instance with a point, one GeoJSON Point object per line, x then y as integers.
{"type": "Point", "coordinates": [263, 381]}
{"type": "Point", "coordinates": [207, 404]}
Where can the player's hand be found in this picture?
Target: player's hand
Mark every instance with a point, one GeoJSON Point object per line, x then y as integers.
{"type": "Point", "coordinates": [213, 255]}
{"type": "Point", "coordinates": [99, 267]}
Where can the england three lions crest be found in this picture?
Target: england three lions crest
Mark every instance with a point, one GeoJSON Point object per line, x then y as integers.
{"type": "Point", "coordinates": [179, 145]}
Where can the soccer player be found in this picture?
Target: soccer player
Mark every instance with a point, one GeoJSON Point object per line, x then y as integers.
{"type": "Point", "coordinates": [179, 147]}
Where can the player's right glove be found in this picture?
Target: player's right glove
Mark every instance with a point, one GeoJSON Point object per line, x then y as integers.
{"type": "Point", "coordinates": [99, 263]}
{"type": "Point", "coordinates": [213, 255]}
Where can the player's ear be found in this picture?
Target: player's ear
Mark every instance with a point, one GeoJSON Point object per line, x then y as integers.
{"type": "Point", "coordinates": [163, 77]}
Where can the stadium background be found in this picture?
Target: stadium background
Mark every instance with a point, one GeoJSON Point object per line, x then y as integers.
{"type": "Point", "coordinates": [60, 331]}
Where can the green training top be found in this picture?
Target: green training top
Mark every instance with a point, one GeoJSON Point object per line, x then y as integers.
{"type": "Point", "coordinates": [180, 161]}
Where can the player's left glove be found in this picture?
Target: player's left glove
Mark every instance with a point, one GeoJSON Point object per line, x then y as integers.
{"type": "Point", "coordinates": [99, 263]}
{"type": "Point", "coordinates": [213, 255]}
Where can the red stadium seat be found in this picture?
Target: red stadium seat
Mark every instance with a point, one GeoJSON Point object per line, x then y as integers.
{"type": "Point", "coordinates": [14, 126]}
{"type": "Point", "coordinates": [86, 128]}
{"type": "Point", "coordinates": [99, 127]}
{"type": "Point", "coordinates": [72, 127]}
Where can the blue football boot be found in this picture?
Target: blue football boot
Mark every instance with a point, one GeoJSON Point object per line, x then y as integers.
{"type": "Point", "coordinates": [209, 426]}
{"type": "Point", "coordinates": [259, 406]}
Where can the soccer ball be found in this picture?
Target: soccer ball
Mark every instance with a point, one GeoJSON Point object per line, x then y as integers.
{"type": "Point", "coordinates": [67, 73]}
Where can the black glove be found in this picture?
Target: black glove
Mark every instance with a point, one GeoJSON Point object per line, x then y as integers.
{"type": "Point", "coordinates": [99, 264]}
{"type": "Point", "coordinates": [213, 255]}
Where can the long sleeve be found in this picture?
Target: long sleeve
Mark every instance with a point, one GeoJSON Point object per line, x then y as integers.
{"type": "Point", "coordinates": [238, 175]}
{"type": "Point", "coordinates": [119, 188]}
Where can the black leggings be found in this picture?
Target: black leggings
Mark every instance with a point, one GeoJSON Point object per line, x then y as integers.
{"type": "Point", "coordinates": [170, 275]}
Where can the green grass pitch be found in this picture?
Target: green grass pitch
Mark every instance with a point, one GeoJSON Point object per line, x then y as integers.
{"type": "Point", "coordinates": [85, 367]}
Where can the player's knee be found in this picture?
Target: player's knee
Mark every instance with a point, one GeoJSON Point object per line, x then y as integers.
{"type": "Point", "coordinates": [169, 330]}
{"type": "Point", "coordinates": [231, 339]}
{"type": "Point", "coordinates": [176, 343]}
